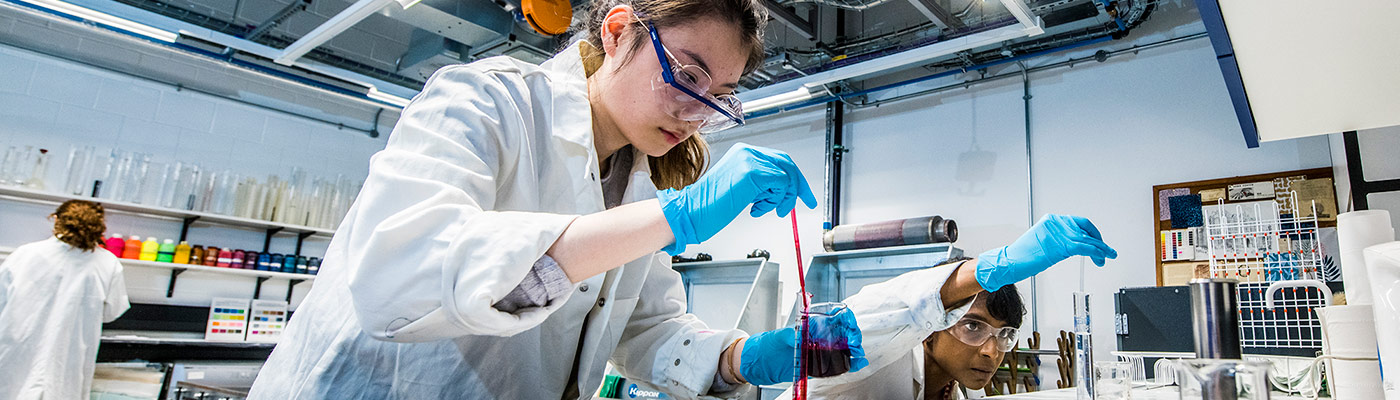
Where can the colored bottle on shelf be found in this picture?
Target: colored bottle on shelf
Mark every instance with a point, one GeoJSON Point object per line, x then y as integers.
{"type": "Point", "coordinates": [166, 253]}
{"type": "Point", "coordinates": [313, 265]}
{"type": "Point", "coordinates": [132, 249]}
{"type": "Point", "coordinates": [250, 260]}
{"type": "Point", "coordinates": [197, 255]}
{"type": "Point", "coordinates": [149, 249]}
{"type": "Point", "coordinates": [115, 244]}
{"type": "Point", "coordinates": [182, 253]}
{"type": "Point", "coordinates": [289, 264]}
{"type": "Point", "coordinates": [301, 264]}
{"type": "Point", "coordinates": [275, 263]}
{"type": "Point", "coordinates": [237, 260]}
{"type": "Point", "coordinates": [211, 256]}
{"type": "Point", "coordinates": [225, 257]}
{"type": "Point", "coordinates": [264, 262]}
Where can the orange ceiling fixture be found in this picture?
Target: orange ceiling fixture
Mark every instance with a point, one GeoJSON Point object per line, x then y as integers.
{"type": "Point", "coordinates": [548, 17]}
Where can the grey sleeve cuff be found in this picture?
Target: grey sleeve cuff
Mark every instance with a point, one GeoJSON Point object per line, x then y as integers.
{"type": "Point", "coordinates": [720, 386]}
{"type": "Point", "coordinates": [545, 282]}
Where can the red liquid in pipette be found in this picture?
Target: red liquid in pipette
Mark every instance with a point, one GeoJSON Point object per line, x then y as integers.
{"type": "Point", "coordinates": [799, 389]}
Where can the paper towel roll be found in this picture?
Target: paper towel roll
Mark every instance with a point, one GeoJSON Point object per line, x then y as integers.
{"type": "Point", "coordinates": [1356, 231]}
{"type": "Point", "coordinates": [1355, 379]}
{"type": "Point", "coordinates": [1350, 331]}
{"type": "Point", "coordinates": [1383, 266]}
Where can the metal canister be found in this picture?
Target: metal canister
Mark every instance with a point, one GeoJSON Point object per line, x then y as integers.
{"type": "Point", "coordinates": [1215, 320]}
{"type": "Point", "coordinates": [901, 232]}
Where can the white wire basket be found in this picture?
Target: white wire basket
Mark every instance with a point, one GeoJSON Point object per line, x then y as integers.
{"type": "Point", "coordinates": [1252, 243]}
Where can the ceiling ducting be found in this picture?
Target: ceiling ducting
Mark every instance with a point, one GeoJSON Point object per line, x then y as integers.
{"type": "Point", "coordinates": [457, 31]}
{"type": "Point", "coordinates": [384, 50]}
{"type": "Point", "coordinates": [936, 35]}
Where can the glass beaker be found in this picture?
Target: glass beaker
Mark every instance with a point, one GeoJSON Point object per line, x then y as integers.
{"type": "Point", "coordinates": [826, 347]}
{"type": "Point", "coordinates": [1113, 380]}
{"type": "Point", "coordinates": [80, 160]}
{"type": "Point", "coordinates": [18, 166]}
{"type": "Point", "coordinates": [1217, 379]}
{"type": "Point", "coordinates": [39, 173]}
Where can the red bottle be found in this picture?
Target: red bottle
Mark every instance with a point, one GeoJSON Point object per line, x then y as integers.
{"type": "Point", "coordinates": [115, 244]}
{"type": "Point", "coordinates": [225, 257]}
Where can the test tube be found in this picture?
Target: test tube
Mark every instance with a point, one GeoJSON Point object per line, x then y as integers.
{"type": "Point", "coordinates": [1083, 348]}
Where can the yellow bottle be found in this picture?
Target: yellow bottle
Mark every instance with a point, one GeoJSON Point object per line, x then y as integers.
{"type": "Point", "coordinates": [149, 249]}
{"type": "Point", "coordinates": [182, 253]}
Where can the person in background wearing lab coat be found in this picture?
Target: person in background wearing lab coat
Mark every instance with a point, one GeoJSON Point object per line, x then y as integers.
{"type": "Point", "coordinates": [508, 242]}
{"type": "Point", "coordinates": [54, 296]}
{"type": "Point", "coordinates": [917, 351]}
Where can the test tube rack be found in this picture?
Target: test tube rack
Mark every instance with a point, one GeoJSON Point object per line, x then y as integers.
{"type": "Point", "coordinates": [1258, 246]}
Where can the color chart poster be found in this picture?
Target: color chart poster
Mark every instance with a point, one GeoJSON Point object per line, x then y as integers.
{"type": "Point", "coordinates": [228, 320]}
{"type": "Point", "coordinates": [267, 320]}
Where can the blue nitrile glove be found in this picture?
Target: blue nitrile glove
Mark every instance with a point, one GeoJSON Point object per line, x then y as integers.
{"type": "Point", "coordinates": [1053, 239]}
{"type": "Point", "coordinates": [767, 358]}
{"type": "Point", "coordinates": [746, 175]}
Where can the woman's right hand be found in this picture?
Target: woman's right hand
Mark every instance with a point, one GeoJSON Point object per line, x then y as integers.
{"type": "Point", "coordinates": [747, 175]}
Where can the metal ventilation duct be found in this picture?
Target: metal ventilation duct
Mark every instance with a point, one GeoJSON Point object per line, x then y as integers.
{"type": "Point", "coordinates": [456, 31]}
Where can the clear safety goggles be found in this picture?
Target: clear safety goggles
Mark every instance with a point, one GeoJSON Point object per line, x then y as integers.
{"type": "Point", "coordinates": [976, 333]}
{"type": "Point", "coordinates": [686, 88]}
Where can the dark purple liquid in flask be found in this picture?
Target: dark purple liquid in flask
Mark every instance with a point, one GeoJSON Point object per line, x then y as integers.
{"type": "Point", "coordinates": [827, 359]}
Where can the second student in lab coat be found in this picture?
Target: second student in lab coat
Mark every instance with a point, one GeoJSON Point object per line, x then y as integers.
{"type": "Point", "coordinates": [508, 241]}
{"type": "Point", "coordinates": [54, 296]}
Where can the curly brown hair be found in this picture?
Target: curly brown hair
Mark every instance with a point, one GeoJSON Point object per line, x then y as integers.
{"type": "Point", "coordinates": [684, 164]}
{"type": "Point", "coordinates": [80, 223]}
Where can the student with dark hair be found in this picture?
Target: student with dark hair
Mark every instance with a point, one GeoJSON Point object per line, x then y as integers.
{"type": "Point", "coordinates": [926, 332]}
{"type": "Point", "coordinates": [54, 296]}
{"type": "Point", "coordinates": [968, 353]}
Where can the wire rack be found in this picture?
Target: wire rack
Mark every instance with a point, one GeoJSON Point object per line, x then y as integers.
{"type": "Point", "coordinates": [1254, 244]}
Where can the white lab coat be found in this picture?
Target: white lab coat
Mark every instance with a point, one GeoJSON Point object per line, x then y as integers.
{"type": "Point", "coordinates": [895, 316]}
{"type": "Point", "coordinates": [483, 172]}
{"type": "Point", "coordinates": [53, 301]}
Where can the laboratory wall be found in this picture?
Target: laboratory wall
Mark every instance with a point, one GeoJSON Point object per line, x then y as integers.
{"type": "Point", "coordinates": [1379, 162]}
{"type": "Point", "coordinates": [54, 104]}
{"type": "Point", "coordinates": [1101, 135]}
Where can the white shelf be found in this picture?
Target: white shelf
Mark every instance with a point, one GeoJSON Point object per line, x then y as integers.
{"type": "Point", "coordinates": [5, 252]}
{"type": "Point", "coordinates": [141, 209]}
{"type": "Point", "coordinates": [183, 342]}
{"type": "Point", "coordinates": [217, 270]}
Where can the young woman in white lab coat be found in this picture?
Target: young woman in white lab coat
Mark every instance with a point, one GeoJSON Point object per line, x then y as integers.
{"type": "Point", "coordinates": [507, 242]}
{"type": "Point", "coordinates": [921, 332]}
{"type": "Point", "coordinates": [54, 296]}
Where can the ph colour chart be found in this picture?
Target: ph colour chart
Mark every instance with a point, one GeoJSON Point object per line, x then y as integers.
{"type": "Point", "coordinates": [267, 320]}
{"type": "Point", "coordinates": [228, 320]}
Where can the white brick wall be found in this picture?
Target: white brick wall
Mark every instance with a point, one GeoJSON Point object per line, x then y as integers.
{"type": "Point", "coordinates": [55, 104]}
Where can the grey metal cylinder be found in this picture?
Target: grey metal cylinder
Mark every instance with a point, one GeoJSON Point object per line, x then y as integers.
{"type": "Point", "coordinates": [1215, 319]}
{"type": "Point", "coordinates": [901, 232]}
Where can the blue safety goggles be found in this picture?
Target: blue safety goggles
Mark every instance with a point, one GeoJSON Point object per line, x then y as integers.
{"type": "Point", "coordinates": [719, 112]}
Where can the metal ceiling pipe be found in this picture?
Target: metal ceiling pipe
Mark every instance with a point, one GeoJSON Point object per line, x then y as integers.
{"type": "Point", "coordinates": [908, 58]}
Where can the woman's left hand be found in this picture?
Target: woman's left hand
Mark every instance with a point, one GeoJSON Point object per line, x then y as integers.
{"type": "Point", "coordinates": [746, 176]}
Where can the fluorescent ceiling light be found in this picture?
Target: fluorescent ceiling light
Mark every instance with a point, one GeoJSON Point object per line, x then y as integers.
{"type": "Point", "coordinates": [778, 100]}
{"type": "Point", "coordinates": [106, 19]}
{"type": "Point", "coordinates": [374, 93]}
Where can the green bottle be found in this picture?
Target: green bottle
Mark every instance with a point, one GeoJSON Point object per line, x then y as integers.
{"type": "Point", "coordinates": [167, 251]}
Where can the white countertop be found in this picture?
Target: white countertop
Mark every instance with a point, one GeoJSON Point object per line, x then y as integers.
{"type": "Point", "coordinates": [1141, 393]}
